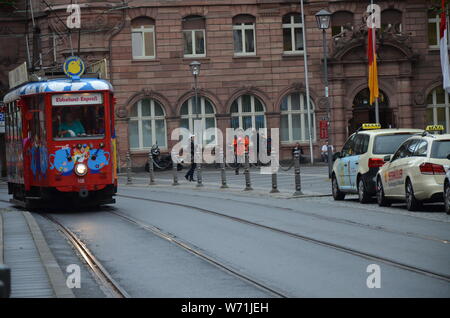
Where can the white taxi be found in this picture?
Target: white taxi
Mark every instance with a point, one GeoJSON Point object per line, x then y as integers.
{"type": "Point", "coordinates": [356, 166]}
{"type": "Point", "coordinates": [416, 172]}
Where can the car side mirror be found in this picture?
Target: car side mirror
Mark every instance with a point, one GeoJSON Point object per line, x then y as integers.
{"type": "Point", "coordinates": [448, 156]}
{"type": "Point", "coordinates": [336, 155]}
{"type": "Point", "coordinates": [387, 158]}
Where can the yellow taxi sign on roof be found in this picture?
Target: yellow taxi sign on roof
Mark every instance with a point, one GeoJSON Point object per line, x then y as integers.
{"type": "Point", "coordinates": [434, 128]}
{"type": "Point", "coordinates": [371, 126]}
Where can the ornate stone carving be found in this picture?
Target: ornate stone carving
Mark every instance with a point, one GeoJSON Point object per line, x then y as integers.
{"type": "Point", "coordinates": [419, 98]}
{"type": "Point", "coordinates": [298, 86]}
{"type": "Point", "coordinates": [357, 35]}
{"type": "Point", "coordinates": [323, 103]}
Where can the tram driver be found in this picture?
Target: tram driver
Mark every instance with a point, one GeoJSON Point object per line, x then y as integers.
{"type": "Point", "coordinates": [70, 127]}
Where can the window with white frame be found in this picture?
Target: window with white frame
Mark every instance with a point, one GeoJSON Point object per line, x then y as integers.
{"type": "Point", "coordinates": [203, 110]}
{"type": "Point", "coordinates": [247, 111]}
{"type": "Point", "coordinates": [292, 33]}
{"type": "Point", "coordinates": [147, 125]}
{"type": "Point", "coordinates": [434, 33]}
{"type": "Point", "coordinates": [244, 35]}
{"type": "Point", "coordinates": [294, 119]}
{"type": "Point", "coordinates": [143, 38]}
{"type": "Point", "coordinates": [194, 36]}
{"type": "Point", "coordinates": [438, 108]}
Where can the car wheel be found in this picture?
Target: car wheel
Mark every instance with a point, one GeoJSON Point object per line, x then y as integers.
{"type": "Point", "coordinates": [337, 194]}
{"type": "Point", "coordinates": [381, 198]}
{"type": "Point", "coordinates": [447, 199]}
{"type": "Point", "coordinates": [412, 204]}
{"type": "Point", "coordinates": [363, 196]}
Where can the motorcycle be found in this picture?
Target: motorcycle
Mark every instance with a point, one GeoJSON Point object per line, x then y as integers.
{"type": "Point", "coordinates": [161, 162]}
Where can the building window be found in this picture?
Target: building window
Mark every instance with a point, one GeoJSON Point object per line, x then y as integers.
{"type": "Point", "coordinates": [438, 108]}
{"type": "Point", "coordinates": [247, 111]}
{"type": "Point", "coordinates": [244, 35]}
{"type": "Point", "coordinates": [391, 21]}
{"type": "Point", "coordinates": [147, 125]}
{"type": "Point", "coordinates": [143, 38]}
{"type": "Point", "coordinates": [294, 119]}
{"type": "Point", "coordinates": [194, 36]}
{"type": "Point", "coordinates": [204, 111]}
{"type": "Point", "coordinates": [434, 23]}
{"type": "Point", "coordinates": [341, 20]}
{"type": "Point", "coordinates": [292, 34]}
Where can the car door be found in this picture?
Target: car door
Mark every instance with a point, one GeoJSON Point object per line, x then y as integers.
{"type": "Point", "coordinates": [360, 142]}
{"type": "Point", "coordinates": [394, 174]}
{"type": "Point", "coordinates": [343, 165]}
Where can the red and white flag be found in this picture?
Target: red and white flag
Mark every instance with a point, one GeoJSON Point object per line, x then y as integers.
{"type": "Point", "coordinates": [444, 49]}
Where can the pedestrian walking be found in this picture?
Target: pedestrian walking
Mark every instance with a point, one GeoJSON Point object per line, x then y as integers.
{"type": "Point", "coordinates": [190, 174]}
{"type": "Point", "coordinates": [324, 152]}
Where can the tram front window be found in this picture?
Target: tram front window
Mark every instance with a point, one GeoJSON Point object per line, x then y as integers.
{"type": "Point", "coordinates": [75, 122]}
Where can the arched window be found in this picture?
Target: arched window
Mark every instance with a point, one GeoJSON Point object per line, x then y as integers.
{"type": "Point", "coordinates": [247, 111]}
{"type": "Point", "coordinates": [294, 119]}
{"type": "Point", "coordinates": [391, 20]}
{"type": "Point", "coordinates": [143, 38]}
{"type": "Point", "coordinates": [147, 125]}
{"type": "Point", "coordinates": [292, 33]}
{"type": "Point", "coordinates": [203, 111]}
{"type": "Point", "coordinates": [194, 36]}
{"type": "Point", "coordinates": [339, 21]}
{"type": "Point", "coordinates": [438, 108]}
{"type": "Point", "coordinates": [244, 35]}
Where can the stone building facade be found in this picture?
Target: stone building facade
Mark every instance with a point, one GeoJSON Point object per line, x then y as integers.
{"type": "Point", "coordinates": [252, 64]}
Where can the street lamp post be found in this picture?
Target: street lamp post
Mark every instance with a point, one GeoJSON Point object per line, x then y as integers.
{"type": "Point", "coordinates": [323, 23]}
{"type": "Point", "coordinates": [195, 69]}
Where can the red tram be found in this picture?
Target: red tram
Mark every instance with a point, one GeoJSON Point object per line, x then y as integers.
{"type": "Point", "coordinates": [61, 143]}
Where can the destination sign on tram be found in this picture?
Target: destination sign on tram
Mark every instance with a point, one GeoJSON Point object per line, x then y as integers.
{"type": "Point", "coordinates": [77, 99]}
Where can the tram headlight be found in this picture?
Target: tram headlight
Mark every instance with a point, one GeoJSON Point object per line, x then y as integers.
{"type": "Point", "coordinates": [81, 169]}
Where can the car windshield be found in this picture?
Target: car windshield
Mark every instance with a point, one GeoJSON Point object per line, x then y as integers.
{"type": "Point", "coordinates": [75, 122]}
{"type": "Point", "coordinates": [388, 144]}
{"type": "Point", "coordinates": [440, 149]}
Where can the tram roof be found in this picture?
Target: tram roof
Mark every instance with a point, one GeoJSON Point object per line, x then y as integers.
{"type": "Point", "coordinates": [58, 85]}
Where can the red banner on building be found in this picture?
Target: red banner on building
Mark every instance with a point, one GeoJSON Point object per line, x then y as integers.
{"type": "Point", "coordinates": [323, 126]}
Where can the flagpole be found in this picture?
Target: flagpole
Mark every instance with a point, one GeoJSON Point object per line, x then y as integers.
{"type": "Point", "coordinates": [377, 113]}
{"type": "Point", "coordinates": [308, 104]}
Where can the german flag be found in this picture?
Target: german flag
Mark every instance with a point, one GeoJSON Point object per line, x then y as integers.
{"type": "Point", "coordinates": [373, 71]}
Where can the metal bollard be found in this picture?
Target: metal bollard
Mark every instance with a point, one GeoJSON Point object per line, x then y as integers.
{"type": "Point", "coordinates": [199, 170]}
{"type": "Point", "coordinates": [174, 172]}
{"type": "Point", "coordinates": [223, 171]}
{"type": "Point", "coordinates": [5, 281]}
{"type": "Point", "coordinates": [248, 182]}
{"type": "Point", "coordinates": [128, 158]}
{"type": "Point", "coordinates": [274, 175]}
{"type": "Point", "coordinates": [150, 168]}
{"type": "Point", "coordinates": [298, 185]}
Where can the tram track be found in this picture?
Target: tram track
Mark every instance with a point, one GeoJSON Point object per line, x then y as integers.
{"type": "Point", "coordinates": [94, 264]}
{"type": "Point", "coordinates": [338, 220]}
{"type": "Point", "coordinates": [114, 288]}
{"type": "Point", "coordinates": [102, 275]}
{"type": "Point", "coordinates": [338, 247]}
{"type": "Point", "coordinates": [158, 232]}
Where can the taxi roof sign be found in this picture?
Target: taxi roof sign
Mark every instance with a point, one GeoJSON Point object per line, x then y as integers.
{"type": "Point", "coordinates": [371, 126]}
{"type": "Point", "coordinates": [434, 128]}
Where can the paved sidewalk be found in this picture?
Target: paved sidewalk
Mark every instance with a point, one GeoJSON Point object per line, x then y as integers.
{"type": "Point", "coordinates": [314, 180]}
{"type": "Point", "coordinates": [34, 270]}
